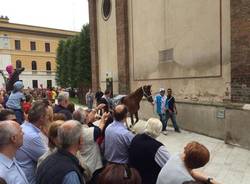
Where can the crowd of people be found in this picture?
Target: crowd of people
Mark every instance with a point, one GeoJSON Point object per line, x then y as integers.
{"type": "Point", "coordinates": [42, 142]}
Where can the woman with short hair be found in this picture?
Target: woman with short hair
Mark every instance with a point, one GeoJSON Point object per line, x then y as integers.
{"type": "Point", "coordinates": [180, 167]}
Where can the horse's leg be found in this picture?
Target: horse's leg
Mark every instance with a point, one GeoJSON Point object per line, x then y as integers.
{"type": "Point", "coordinates": [132, 120]}
{"type": "Point", "coordinates": [136, 117]}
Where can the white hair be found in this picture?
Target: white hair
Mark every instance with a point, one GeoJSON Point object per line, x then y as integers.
{"type": "Point", "coordinates": [7, 130]}
{"type": "Point", "coordinates": [69, 133]}
{"type": "Point", "coordinates": [154, 127]}
{"type": "Point", "coordinates": [62, 96]}
{"type": "Point", "coordinates": [79, 115]}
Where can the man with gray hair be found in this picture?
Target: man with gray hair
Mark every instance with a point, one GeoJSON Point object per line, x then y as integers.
{"type": "Point", "coordinates": [63, 102]}
{"type": "Point", "coordinates": [90, 150]}
{"type": "Point", "coordinates": [33, 146]}
{"type": "Point", "coordinates": [11, 138]}
{"type": "Point", "coordinates": [148, 155]}
{"type": "Point", "coordinates": [63, 166]}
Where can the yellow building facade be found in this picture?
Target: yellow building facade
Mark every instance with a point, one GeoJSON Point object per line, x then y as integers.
{"type": "Point", "coordinates": [33, 48]}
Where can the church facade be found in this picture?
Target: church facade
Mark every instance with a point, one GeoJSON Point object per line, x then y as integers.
{"type": "Point", "coordinates": [199, 48]}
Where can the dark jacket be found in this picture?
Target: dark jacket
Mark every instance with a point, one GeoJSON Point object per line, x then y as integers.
{"type": "Point", "coordinates": [98, 96]}
{"type": "Point", "coordinates": [63, 110]}
{"type": "Point", "coordinates": [142, 152]}
{"type": "Point", "coordinates": [56, 166]}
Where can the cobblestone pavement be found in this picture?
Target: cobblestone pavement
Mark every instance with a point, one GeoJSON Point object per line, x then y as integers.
{"type": "Point", "coordinates": [228, 164]}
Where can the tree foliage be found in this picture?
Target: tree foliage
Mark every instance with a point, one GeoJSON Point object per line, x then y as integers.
{"type": "Point", "coordinates": [74, 61]}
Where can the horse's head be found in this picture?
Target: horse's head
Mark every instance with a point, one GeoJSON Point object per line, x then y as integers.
{"type": "Point", "coordinates": [147, 93]}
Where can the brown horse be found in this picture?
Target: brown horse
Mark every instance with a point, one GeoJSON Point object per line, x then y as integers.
{"type": "Point", "coordinates": [132, 101]}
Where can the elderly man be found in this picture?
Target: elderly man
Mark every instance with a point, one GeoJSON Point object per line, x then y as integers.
{"type": "Point", "coordinates": [118, 138]}
{"type": "Point", "coordinates": [90, 150]}
{"type": "Point", "coordinates": [33, 145]}
{"type": "Point", "coordinates": [11, 138]}
{"type": "Point", "coordinates": [148, 155]}
{"type": "Point", "coordinates": [63, 102]}
{"type": "Point", "coordinates": [63, 167]}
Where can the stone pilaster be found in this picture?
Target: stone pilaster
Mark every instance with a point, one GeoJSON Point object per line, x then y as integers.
{"type": "Point", "coordinates": [94, 44]}
{"type": "Point", "coordinates": [122, 45]}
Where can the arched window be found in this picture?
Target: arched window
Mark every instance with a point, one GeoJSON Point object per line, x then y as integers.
{"type": "Point", "coordinates": [48, 66]}
{"type": "Point", "coordinates": [18, 64]}
{"type": "Point", "coordinates": [106, 9]}
{"type": "Point", "coordinates": [33, 65]}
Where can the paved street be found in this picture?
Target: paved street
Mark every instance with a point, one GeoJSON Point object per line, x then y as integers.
{"type": "Point", "coordinates": [228, 164]}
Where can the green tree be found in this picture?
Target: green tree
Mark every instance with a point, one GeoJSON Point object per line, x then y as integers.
{"type": "Point", "coordinates": [59, 61]}
{"type": "Point", "coordinates": [66, 65]}
{"type": "Point", "coordinates": [84, 58]}
{"type": "Point", "coordinates": [74, 61]}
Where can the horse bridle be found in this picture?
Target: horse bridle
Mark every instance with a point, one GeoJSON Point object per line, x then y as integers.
{"type": "Point", "coordinates": [145, 94]}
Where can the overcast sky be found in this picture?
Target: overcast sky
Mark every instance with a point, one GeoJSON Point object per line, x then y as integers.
{"type": "Point", "coordinates": [61, 14]}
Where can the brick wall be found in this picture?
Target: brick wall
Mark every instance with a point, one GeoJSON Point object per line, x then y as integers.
{"type": "Point", "coordinates": [93, 44]}
{"type": "Point", "coordinates": [240, 53]}
{"type": "Point", "coordinates": [122, 45]}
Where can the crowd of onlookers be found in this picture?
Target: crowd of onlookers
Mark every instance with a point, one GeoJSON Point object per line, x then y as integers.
{"type": "Point", "coordinates": [45, 142]}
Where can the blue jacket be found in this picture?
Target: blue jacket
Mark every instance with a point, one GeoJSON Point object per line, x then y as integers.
{"type": "Point", "coordinates": [158, 101]}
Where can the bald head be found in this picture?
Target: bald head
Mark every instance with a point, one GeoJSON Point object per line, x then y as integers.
{"type": "Point", "coordinates": [120, 112]}
{"type": "Point", "coordinates": [69, 133]}
{"type": "Point", "coordinates": [9, 129]}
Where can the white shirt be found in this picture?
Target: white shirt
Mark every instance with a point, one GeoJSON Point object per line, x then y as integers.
{"type": "Point", "coordinates": [90, 151]}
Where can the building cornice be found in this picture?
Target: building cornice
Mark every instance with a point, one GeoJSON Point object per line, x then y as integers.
{"type": "Point", "coordinates": [36, 30]}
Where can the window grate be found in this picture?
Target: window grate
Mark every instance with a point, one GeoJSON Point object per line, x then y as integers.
{"type": "Point", "coordinates": [166, 55]}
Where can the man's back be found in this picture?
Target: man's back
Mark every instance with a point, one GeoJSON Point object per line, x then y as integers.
{"type": "Point", "coordinates": [55, 168]}
{"type": "Point", "coordinates": [117, 141]}
{"type": "Point", "coordinates": [61, 109]}
{"type": "Point", "coordinates": [98, 95]}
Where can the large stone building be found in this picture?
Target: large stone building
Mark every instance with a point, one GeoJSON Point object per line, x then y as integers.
{"type": "Point", "coordinates": [33, 48]}
{"type": "Point", "coordinates": [199, 48]}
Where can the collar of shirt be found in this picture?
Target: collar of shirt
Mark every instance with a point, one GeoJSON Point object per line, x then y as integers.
{"type": "Point", "coordinates": [32, 126]}
{"type": "Point", "coordinates": [6, 161]}
{"type": "Point", "coordinates": [119, 123]}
